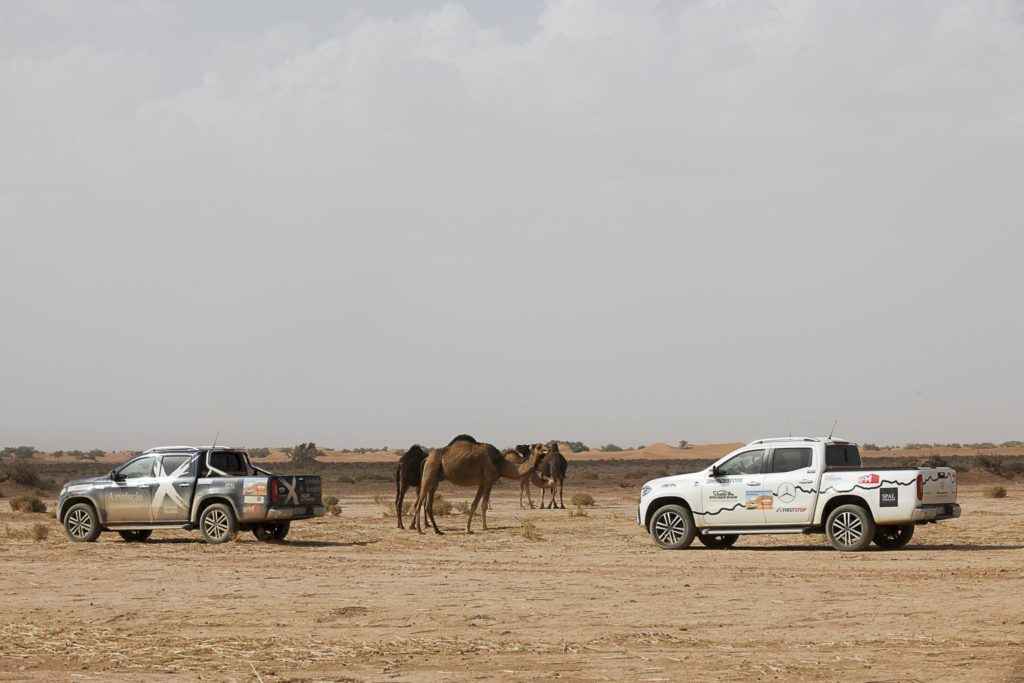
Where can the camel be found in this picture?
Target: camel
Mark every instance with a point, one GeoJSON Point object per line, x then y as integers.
{"type": "Point", "coordinates": [553, 468]}
{"type": "Point", "coordinates": [408, 472]}
{"type": "Point", "coordinates": [467, 462]}
{"type": "Point", "coordinates": [516, 456]}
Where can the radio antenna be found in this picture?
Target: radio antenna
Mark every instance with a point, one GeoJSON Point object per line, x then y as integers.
{"type": "Point", "coordinates": [833, 428]}
{"type": "Point", "coordinates": [789, 423]}
{"type": "Point", "coordinates": [215, 440]}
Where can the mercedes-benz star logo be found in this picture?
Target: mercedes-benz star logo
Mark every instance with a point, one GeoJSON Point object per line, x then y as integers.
{"type": "Point", "coordinates": [787, 492]}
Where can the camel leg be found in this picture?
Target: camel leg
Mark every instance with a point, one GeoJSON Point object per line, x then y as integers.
{"type": "Point", "coordinates": [542, 490]}
{"type": "Point", "coordinates": [529, 498]}
{"type": "Point", "coordinates": [561, 489]}
{"type": "Point", "coordinates": [487, 501]}
{"type": "Point", "coordinates": [472, 509]}
{"type": "Point", "coordinates": [551, 505]}
{"type": "Point", "coordinates": [430, 511]}
{"type": "Point", "coordinates": [403, 488]}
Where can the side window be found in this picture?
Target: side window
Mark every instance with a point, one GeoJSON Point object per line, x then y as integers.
{"type": "Point", "coordinates": [790, 459]}
{"type": "Point", "coordinates": [177, 465]}
{"type": "Point", "coordinates": [143, 467]}
{"type": "Point", "coordinates": [748, 462]}
{"type": "Point", "coordinates": [229, 463]}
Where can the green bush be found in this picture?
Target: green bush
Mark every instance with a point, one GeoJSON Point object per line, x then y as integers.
{"type": "Point", "coordinates": [27, 504]}
{"type": "Point", "coordinates": [994, 492]}
{"type": "Point", "coordinates": [442, 507]}
{"type": "Point", "coordinates": [330, 501]}
{"type": "Point", "coordinates": [21, 472]}
{"type": "Point", "coordinates": [610, 448]}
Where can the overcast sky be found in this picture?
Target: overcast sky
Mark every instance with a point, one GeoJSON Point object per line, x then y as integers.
{"type": "Point", "coordinates": [374, 223]}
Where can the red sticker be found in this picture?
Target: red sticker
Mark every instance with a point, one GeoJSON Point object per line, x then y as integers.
{"type": "Point", "coordinates": [869, 479]}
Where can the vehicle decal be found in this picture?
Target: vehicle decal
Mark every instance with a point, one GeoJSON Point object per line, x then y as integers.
{"type": "Point", "coordinates": [759, 500]}
{"type": "Point", "coordinates": [291, 496]}
{"type": "Point", "coordinates": [889, 497]}
{"type": "Point", "coordinates": [800, 509]}
{"type": "Point", "coordinates": [166, 490]}
{"type": "Point", "coordinates": [722, 494]}
{"type": "Point", "coordinates": [869, 479]}
{"type": "Point", "coordinates": [721, 510]}
{"type": "Point", "coordinates": [786, 492]}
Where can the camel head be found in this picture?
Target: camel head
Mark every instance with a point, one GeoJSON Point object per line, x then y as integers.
{"type": "Point", "coordinates": [523, 449]}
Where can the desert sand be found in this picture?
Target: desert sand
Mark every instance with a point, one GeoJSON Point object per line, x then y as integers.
{"type": "Point", "coordinates": [352, 598]}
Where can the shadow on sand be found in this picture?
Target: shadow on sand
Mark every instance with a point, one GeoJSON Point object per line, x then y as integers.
{"type": "Point", "coordinates": [910, 548]}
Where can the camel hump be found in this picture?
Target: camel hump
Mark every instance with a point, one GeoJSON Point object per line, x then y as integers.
{"type": "Point", "coordinates": [463, 437]}
{"type": "Point", "coordinates": [416, 451]}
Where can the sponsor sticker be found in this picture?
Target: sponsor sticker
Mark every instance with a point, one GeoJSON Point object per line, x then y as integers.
{"type": "Point", "coordinates": [250, 509]}
{"type": "Point", "coordinates": [253, 499]}
{"type": "Point", "coordinates": [869, 479]}
{"type": "Point", "coordinates": [791, 509]}
{"type": "Point", "coordinates": [722, 495]}
{"type": "Point", "coordinates": [759, 500]}
{"type": "Point", "coordinates": [255, 489]}
{"type": "Point", "coordinates": [889, 497]}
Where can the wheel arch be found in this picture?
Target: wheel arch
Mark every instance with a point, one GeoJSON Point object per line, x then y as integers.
{"type": "Point", "coordinates": [837, 501]}
{"type": "Point", "coordinates": [206, 502]}
{"type": "Point", "coordinates": [75, 500]}
{"type": "Point", "coordinates": [659, 503]}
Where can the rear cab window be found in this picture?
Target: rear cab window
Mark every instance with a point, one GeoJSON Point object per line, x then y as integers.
{"type": "Point", "coordinates": [231, 463]}
{"type": "Point", "coordinates": [842, 455]}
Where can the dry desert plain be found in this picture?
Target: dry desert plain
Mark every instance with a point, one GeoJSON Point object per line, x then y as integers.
{"type": "Point", "coordinates": [354, 598]}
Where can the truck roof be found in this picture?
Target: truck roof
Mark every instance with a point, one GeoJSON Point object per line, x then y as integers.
{"type": "Point", "coordinates": [187, 449]}
{"type": "Point", "coordinates": [831, 441]}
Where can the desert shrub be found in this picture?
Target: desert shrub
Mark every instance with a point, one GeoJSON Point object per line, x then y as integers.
{"type": "Point", "coordinates": [345, 480]}
{"type": "Point", "coordinates": [683, 443]}
{"type": "Point", "coordinates": [579, 499]}
{"type": "Point", "coordinates": [982, 445]}
{"type": "Point", "coordinates": [258, 452]}
{"type": "Point", "coordinates": [374, 476]}
{"type": "Point", "coordinates": [442, 507]}
{"type": "Point", "coordinates": [462, 506]}
{"type": "Point", "coordinates": [575, 446]}
{"type": "Point", "coordinates": [20, 452]}
{"type": "Point", "coordinates": [334, 509]}
{"type": "Point", "coordinates": [530, 532]}
{"type": "Point", "coordinates": [931, 461]}
{"type": "Point", "coordinates": [27, 504]}
{"type": "Point", "coordinates": [578, 512]}
{"type": "Point", "coordinates": [610, 448]}
{"type": "Point", "coordinates": [94, 454]}
{"type": "Point", "coordinates": [330, 501]}
{"type": "Point", "coordinates": [303, 453]}
{"type": "Point", "coordinates": [1012, 444]}
{"type": "Point", "coordinates": [992, 464]}
{"type": "Point", "coordinates": [39, 532]}
{"type": "Point", "coordinates": [994, 492]}
{"type": "Point", "coordinates": [21, 472]}
{"type": "Point", "coordinates": [870, 447]}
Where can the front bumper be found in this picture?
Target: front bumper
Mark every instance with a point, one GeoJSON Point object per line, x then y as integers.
{"type": "Point", "coordinates": [297, 512]}
{"type": "Point", "coordinates": [934, 513]}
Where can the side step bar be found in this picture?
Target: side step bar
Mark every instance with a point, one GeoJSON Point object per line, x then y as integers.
{"type": "Point", "coordinates": [759, 530]}
{"type": "Point", "coordinates": [145, 527]}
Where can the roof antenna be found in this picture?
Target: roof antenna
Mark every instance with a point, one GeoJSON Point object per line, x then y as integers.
{"type": "Point", "coordinates": [215, 441]}
{"type": "Point", "coordinates": [789, 423]}
{"type": "Point", "coordinates": [833, 428]}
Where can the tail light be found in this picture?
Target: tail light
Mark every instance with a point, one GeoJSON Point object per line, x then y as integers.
{"type": "Point", "coordinates": [920, 487]}
{"type": "Point", "coordinates": [273, 490]}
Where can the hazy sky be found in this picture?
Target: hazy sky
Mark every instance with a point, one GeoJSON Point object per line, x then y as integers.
{"type": "Point", "coordinates": [385, 222]}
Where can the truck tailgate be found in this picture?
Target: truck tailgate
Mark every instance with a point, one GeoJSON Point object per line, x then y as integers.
{"type": "Point", "coordinates": [939, 485]}
{"type": "Point", "coordinates": [299, 490]}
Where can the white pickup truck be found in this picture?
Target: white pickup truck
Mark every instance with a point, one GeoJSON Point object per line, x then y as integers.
{"type": "Point", "coordinates": [797, 486]}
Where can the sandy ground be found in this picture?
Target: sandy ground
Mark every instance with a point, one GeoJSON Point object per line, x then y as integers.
{"type": "Point", "coordinates": [354, 598]}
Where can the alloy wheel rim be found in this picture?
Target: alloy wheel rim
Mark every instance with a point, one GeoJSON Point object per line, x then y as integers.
{"type": "Point", "coordinates": [80, 524]}
{"type": "Point", "coordinates": [847, 528]}
{"type": "Point", "coordinates": [670, 528]}
{"type": "Point", "coordinates": [216, 524]}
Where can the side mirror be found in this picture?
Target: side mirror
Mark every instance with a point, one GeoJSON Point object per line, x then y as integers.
{"type": "Point", "coordinates": [116, 476]}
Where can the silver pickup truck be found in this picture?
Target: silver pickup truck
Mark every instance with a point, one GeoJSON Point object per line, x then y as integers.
{"type": "Point", "coordinates": [216, 490]}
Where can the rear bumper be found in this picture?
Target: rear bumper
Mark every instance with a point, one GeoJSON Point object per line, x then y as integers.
{"type": "Point", "coordinates": [933, 513]}
{"type": "Point", "coordinates": [297, 513]}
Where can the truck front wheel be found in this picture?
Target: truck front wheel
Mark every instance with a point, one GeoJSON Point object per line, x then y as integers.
{"type": "Point", "coordinates": [892, 537]}
{"type": "Point", "coordinates": [850, 528]}
{"type": "Point", "coordinates": [672, 527]}
{"type": "Point", "coordinates": [81, 523]}
{"type": "Point", "coordinates": [217, 523]}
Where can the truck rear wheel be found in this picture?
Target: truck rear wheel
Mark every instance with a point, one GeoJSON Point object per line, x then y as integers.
{"type": "Point", "coordinates": [850, 528]}
{"type": "Point", "coordinates": [135, 535]}
{"type": "Point", "coordinates": [717, 540]}
{"type": "Point", "coordinates": [672, 527]}
{"type": "Point", "coordinates": [217, 523]}
{"type": "Point", "coordinates": [892, 537]}
{"type": "Point", "coordinates": [271, 532]}
{"type": "Point", "coordinates": [81, 523]}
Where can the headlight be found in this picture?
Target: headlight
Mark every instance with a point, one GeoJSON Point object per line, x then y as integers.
{"type": "Point", "coordinates": [645, 490]}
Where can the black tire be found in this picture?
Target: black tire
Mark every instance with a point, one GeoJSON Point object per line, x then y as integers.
{"type": "Point", "coordinates": [217, 523]}
{"type": "Point", "coordinates": [672, 527]}
{"type": "Point", "coordinates": [135, 536]}
{"type": "Point", "coordinates": [81, 523]}
{"type": "Point", "coordinates": [271, 532]}
{"type": "Point", "coordinates": [850, 528]}
{"type": "Point", "coordinates": [717, 540]}
{"type": "Point", "coordinates": [892, 537]}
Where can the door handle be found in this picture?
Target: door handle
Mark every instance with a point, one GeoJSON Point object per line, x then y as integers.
{"type": "Point", "coordinates": [183, 485]}
{"type": "Point", "coordinates": [753, 483]}
{"type": "Point", "coordinates": [806, 481]}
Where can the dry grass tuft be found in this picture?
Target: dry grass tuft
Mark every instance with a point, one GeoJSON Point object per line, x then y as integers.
{"type": "Point", "coordinates": [39, 532]}
{"type": "Point", "coordinates": [442, 507]}
{"type": "Point", "coordinates": [530, 532]}
{"type": "Point", "coordinates": [334, 509]}
{"type": "Point", "coordinates": [578, 512]}
{"type": "Point", "coordinates": [994, 492]}
{"type": "Point", "coordinates": [330, 501]}
{"type": "Point", "coordinates": [27, 504]}
{"type": "Point", "coordinates": [462, 506]}
{"type": "Point", "coordinates": [581, 499]}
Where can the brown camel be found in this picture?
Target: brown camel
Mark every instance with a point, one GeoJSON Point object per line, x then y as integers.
{"type": "Point", "coordinates": [517, 456]}
{"type": "Point", "coordinates": [467, 462]}
{"type": "Point", "coordinates": [553, 468]}
{"type": "Point", "coordinates": [408, 472]}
